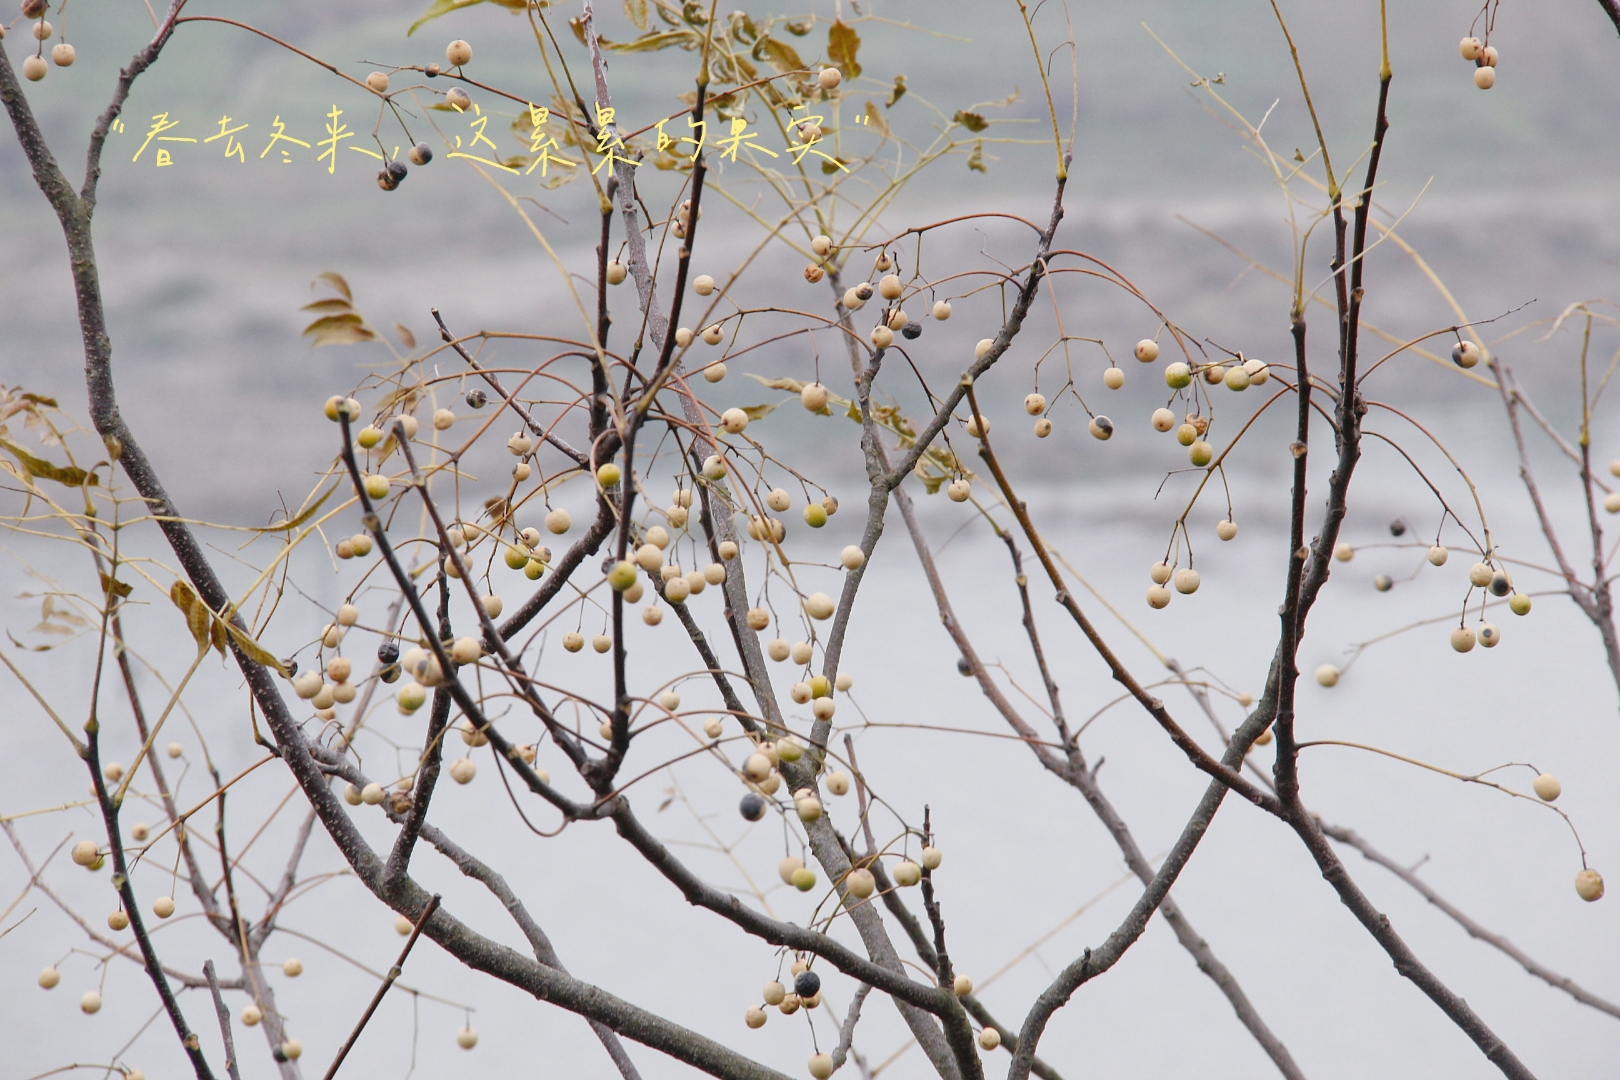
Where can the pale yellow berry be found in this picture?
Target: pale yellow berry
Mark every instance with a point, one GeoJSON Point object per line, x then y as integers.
{"type": "Point", "coordinates": [371, 795]}
{"type": "Point", "coordinates": [963, 986]}
{"type": "Point", "coordinates": [1101, 428]}
{"type": "Point", "coordinates": [462, 770]}
{"type": "Point", "coordinates": [778, 649]}
{"type": "Point", "coordinates": [1200, 453]}
{"type": "Point", "coordinates": [1043, 428]}
{"type": "Point", "coordinates": [774, 991]}
{"type": "Point", "coordinates": [1187, 580]}
{"type": "Point", "coordinates": [1438, 555]}
{"type": "Point", "coordinates": [837, 783]}
{"type": "Point", "coordinates": [712, 335]}
{"type": "Point", "coordinates": [852, 558]}
{"type": "Point", "coordinates": [1258, 371]}
{"type": "Point", "coordinates": [458, 52]}
{"type": "Point", "coordinates": [1488, 56]}
{"type": "Point", "coordinates": [351, 795]}
{"type": "Point", "coordinates": [942, 310]}
{"type": "Point", "coordinates": [897, 320]}
{"type": "Point", "coordinates": [1035, 404]}
{"type": "Point", "coordinates": [113, 771]}
{"type": "Point", "coordinates": [163, 907]}
{"type": "Point", "coordinates": [1588, 883]}
{"type": "Point", "coordinates": [90, 1002]}
{"type": "Point", "coordinates": [1489, 635]}
{"type": "Point", "coordinates": [828, 78]}
{"type": "Point", "coordinates": [1547, 787]}
{"type": "Point", "coordinates": [683, 337]}
{"type": "Point", "coordinates": [813, 396]}
{"type": "Point", "coordinates": [821, 1066]}
{"type": "Point", "coordinates": [1226, 529]}
{"type": "Point", "coordinates": [85, 852]}
{"type": "Point", "coordinates": [852, 300]}
{"type": "Point", "coordinates": [983, 348]}
{"type": "Point", "coordinates": [977, 426]}
{"type": "Point", "coordinates": [43, 30]}
{"type": "Point", "coordinates": [49, 977]}
{"type": "Point", "coordinates": [713, 728]}
{"type": "Point", "coordinates": [652, 615]}
{"type": "Point", "coordinates": [1470, 48]}
{"type": "Point", "coordinates": [1519, 604]}
{"type": "Point", "coordinates": [958, 490]}
{"type": "Point", "coordinates": [376, 486]}
{"type": "Point", "coordinates": [1327, 675]}
{"type": "Point", "coordinates": [784, 870]}
{"type": "Point", "coordinates": [1237, 379]}
{"type": "Point", "coordinates": [616, 272]}
{"type": "Point", "coordinates": [907, 874]}
{"type": "Point", "coordinates": [1163, 420]}
{"type": "Point", "coordinates": [467, 1038]}
{"type": "Point", "coordinates": [1611, 502]}
{"type": "Point", "coordinates": [1147, 350]}
{"type": "Point", "coordinates": [443, 419]}
{"type": "Point", "coordinates": [378, 82]}
{"type": "Point", "coordinates": [292, 1049]}
{"type": "Point", "coordinates": [1177, 375]}
{"type": "Point", "coordinates": [1484, 77]}
{"type": "Point", "coordinates": [882, 337]}
{"type": "Point", "coordinates": [819, 606]}
{"type": "Point", "coordinates": [292, 967]}
{"type": "Point", "coordinates": [989, 1038]}
{"type": "Point", "coordinates": [754, 1017]}
{"type": "Point", "coordinates": [34, 69]}
{"type": "Point", "coordinates": [1479, 575]}
{"type": "Point", "coordinates": [1113, 378]}
{"type": "Point", "coordinates": [821, 245]}
{"type": "Point", "coordinates": [1344, 552]}
{"type": "Point", "coordinates": [118, 920]}
{"type": "Point", "coordinates": [1462, 639]}
{"type": "Point", "coordinates": [63, 55]}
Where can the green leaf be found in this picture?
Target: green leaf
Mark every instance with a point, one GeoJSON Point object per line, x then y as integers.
{"type": "Point", "coordinates": [69, 477]}
{"type": "Point", "coordinates": [899, 91]}
{"type": "Point", "coordinates": [637, 10]}
{"type": "Point", "coordinates": [309, 512]}
{"type": "Point", "coordinates": [782, 56]}
{"type": "Point", "coordinates": [842, 45]}
{"type": "Point", "coordinates": [335, 280]}
{"type": "Point", "coordinates": [198, 617]}
{"type": "Point", "coordinates": [339, 330]}
{"type": "Point", "coordinates": [760, 412]}
{"type": "Point", "coordinates": [445, 7]}
{"type": "Point", "coordinates": [253, 650]}
{"type": "Point", "coordinates": [970, 120]}
{"type": "Point", "coordinates": [656, 41]}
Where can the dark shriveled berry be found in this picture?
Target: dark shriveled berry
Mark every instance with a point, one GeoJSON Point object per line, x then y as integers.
{"type": "Point", "coordinates": [807, 985]}
{"type": "Point", "coordinates": [752, 807]}
{"type": "Point", "coordinates": [397, 170]}
{"type": "Point", "coordinates": [476, 399]}
{"type": "Point", "coordinates": [388, 652]}
{"type": "Point", "coordinates": [1500, 585]}
{"type": "Point", "coordinates": [421, 154]}
{"type": "Point", "coordinates": [912, 330]}
{"type": "Point", "coordinates": [1397, 527]}
{"type": "Point", "coordinates": [963, 667]}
